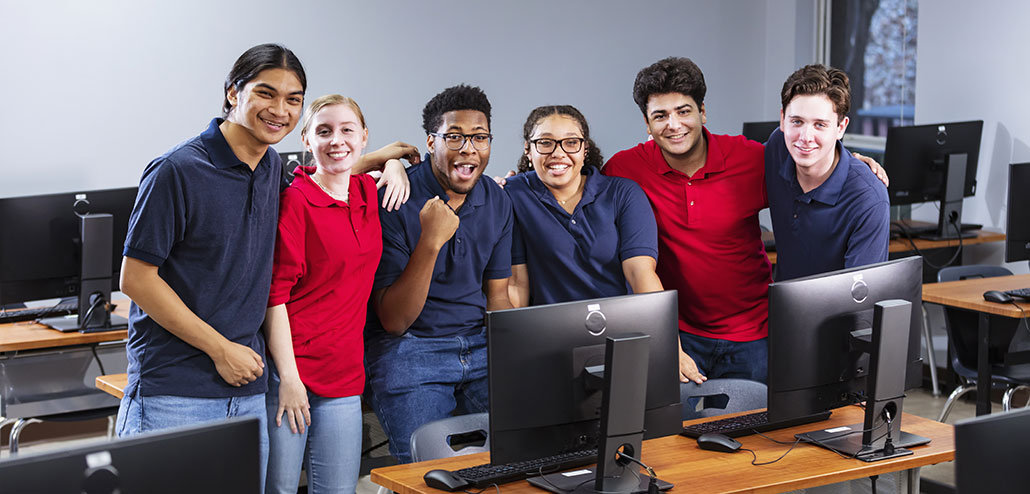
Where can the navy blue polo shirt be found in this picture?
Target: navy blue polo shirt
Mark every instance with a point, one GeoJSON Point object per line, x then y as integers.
{"type": "Point", "coordinates": [479, 250]}
{"type": "Point", "coordinates": [208, 223]}
{"type": "Point", "coordinates": [843, 223]}
{"type": "Point", "coordinates": [579, 256]}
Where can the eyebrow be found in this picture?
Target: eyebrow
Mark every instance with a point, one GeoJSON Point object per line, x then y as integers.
{"type": "Point", "coordinates": [799, 117]}
{"type": "Point", "coordinates": [685, 105]}
{"type": "Point", "coordinates": [457, 130]}
{"type": "Point", "coordinates": [272, 88]}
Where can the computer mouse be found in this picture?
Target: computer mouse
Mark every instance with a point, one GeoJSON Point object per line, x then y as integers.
{"type": "Point", "coordinates": [997, 296]}
{"type": "Point", "coordinates": [444, 480]}
{"type": "Point", "coordinates": [714, 441]}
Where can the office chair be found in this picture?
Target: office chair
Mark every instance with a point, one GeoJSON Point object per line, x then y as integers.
{"type": "Point", "coordinates": [19, 424]}
{"type": "Point", "coordinates": [962, 329]}
{"type": "Point", "coordinates": [721, 396]}
{"type": "Point", "coordinates": [452, 436]}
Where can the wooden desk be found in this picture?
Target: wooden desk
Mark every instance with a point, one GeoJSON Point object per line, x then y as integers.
{"type": "Point", "coordinates": [903, 245]}
{"type": "Point", "coordinates": [28, 335]}
{"type": "Point", "coordinates": [113, 384]}
{"type": "Point", "coordinates": [677, 459]}
{"type": "Point", "coordinates": [968, 294]}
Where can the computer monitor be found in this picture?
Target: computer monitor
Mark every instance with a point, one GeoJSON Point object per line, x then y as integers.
{"type": "Point", "coordinates": [42, 248]}
{"type": "Point", "coordinates": [990, 452]}
{"type": "Point", "coordinates": [1017, 223]}
{"type": "Point", "coordinates": [814, 365]}
{"type": "Point", "coordinates": [935, 162]}
{"type": "Point", "coordinates": [759, 131]}
{"type": "Point", "coordinates": [543, 400]}
{"type": "Point", "coordinates": [212, 458]}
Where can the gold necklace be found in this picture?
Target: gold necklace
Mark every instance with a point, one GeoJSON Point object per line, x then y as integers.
{"type": "Point", "coordinates": [579, 190]}
{"type": "Point", "coordinates": [327, 191]}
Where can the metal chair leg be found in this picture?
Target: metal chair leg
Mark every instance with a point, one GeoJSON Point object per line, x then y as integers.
{"type": "Point", "coordinates": [955, 395]}
{"type": "Point", "coordinates": [16, 432]}
{"type": "Point", "coordinates": [110, 425]}
{"type": "Point", "coordinates": [1006, 399]}
{"type": "Point", "coordinates": [931, 357]}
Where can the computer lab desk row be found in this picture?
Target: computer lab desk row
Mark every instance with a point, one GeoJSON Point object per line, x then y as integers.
{"type": "Point", "coordinates": [47, 372]}
{"type": "Point", "coordinates": [900, 245]}
{"type": "Point", "coordinates": [677, 459]}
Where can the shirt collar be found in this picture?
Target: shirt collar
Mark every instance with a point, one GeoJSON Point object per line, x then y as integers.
{"type": "Point", "coordinates": [829, 191]}
{"type": "Point", "coordinates": [318, 197]}
{"type": "Point", "coordinates": [715, 160]}
{"type": "Point", "coordinates": [222, 155]}
{"type": "Point", "coordinates": [590, 188]}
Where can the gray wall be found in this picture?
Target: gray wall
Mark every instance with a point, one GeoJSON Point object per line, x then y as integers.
{"type": "Point", "coordinates": [973, 64]}
{"type": "Point", "coordinates": [95, 90]}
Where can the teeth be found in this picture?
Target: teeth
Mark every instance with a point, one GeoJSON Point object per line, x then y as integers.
{"type": "Point", "coordinates": [338, 155]}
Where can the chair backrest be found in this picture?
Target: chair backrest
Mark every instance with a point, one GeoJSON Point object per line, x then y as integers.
{"type": "Point", "coordinates": [452, 436]}
{"type": "Point", "coordinates": [721, 396]}
{"type": "Point", "coordinates": [961, 324]}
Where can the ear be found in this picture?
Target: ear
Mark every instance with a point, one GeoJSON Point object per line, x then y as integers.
{"type": "Point", "coordinates": [704, 116]}
{"type": "Point", "coordinates": [842, 127]}
{"type": "Point", "coordinates": [429, 143]}
{"type": "Point", "coordinates": [232, 96]}
{"type": "Point", "coordinates": [781, 120]}
{"type": "Point", "coordinates": [364, 138]}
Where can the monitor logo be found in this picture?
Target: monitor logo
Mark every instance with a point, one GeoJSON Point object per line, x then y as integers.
{"type": "Point", "coordinates": [942, 135]}
{"type": "Point", "coordinates": [859, 290]}
{"type": "Point", "coordinates": [595, 322]}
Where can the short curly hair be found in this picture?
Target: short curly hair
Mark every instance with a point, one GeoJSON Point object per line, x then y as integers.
{"type": "Point", "coordinates": [819, 79]}
{"type": "Point", "coordinates": [593, 157]}
{"type": "Point", "coordinates": [460, 97]}
{"type": "Point", "coordinates": [669, 75]}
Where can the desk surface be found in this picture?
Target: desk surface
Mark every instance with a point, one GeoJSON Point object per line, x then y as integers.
{"type": "Point", "coordinates": [113, 384]}
{"type": "Point", "coordinates": [903, 244]}
{"type": "Point", "coordinates": [29, 336]}
{"type": "Point", "coordinates": [677, 459]}
{"type": "Point", "coordinates": [968, 294]}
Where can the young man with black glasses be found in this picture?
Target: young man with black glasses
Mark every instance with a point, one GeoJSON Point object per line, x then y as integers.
{"type": "Point", "coordinates": [442, 266]}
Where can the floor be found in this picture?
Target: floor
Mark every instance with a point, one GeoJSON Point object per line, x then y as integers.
{"type": "Point", "coordinates": [918, 402]}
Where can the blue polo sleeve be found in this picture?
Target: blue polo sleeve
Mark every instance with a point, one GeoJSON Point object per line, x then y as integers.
{"type": "Point", "coordinates": [638, 232]}
{"type": "Point", "coordinates": [396, 247]}
{"type": "Point", "coordinates": [499, 265]}
{"type": "Point", "coordinates": [518, 245]}
{"type": "Point", "coordinates": [870, 236]}
{"type": "Point", "coordinates": [158, 218]}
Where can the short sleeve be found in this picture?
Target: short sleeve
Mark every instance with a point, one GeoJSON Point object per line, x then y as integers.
{"type": "Point", "coordinates": [638, 231]}
{"type": "Point", "coordinates": [396, 250]}
{"type": "Point", "coordinates": [499, 265]}
{"type": "Point", "coordinates": [158, 219]}
{"type": "Point", "coordinates": [289, 261]}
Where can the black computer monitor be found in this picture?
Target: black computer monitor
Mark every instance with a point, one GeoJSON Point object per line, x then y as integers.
{"type": "Point", "coordinates": [814, 365]}
{"type": "Point", "coordinates": [759, 131]}
{"type": "Point", "coordinates": [935, 162]}
{"type": "Point", "coordinates": [542, 400]}
{"type": "Point", "coordinates": [213, 458]}
{"type": "Point", "coordinates": [990, 452]}
{"type": "Point", "coordinates": [1017, 222]}
{"type": "Point", "coordinates": [41, 249]}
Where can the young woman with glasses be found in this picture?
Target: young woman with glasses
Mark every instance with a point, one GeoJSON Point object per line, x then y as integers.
{"type": "Point", "coordinates": [579, 234]}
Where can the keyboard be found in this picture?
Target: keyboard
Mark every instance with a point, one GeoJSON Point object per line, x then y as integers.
{"type": "Point", "coordinates": [18, 315]}
{"type": "Point", "coordinates": [1023, 293]}
{"type": "Point", "coordinates": [745, 425]}
{"type": "Point", "coordinates": [486, 475]}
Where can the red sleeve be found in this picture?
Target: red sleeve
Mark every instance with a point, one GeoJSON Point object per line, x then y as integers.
{"type": "Point", "coordinates": [289, 262]}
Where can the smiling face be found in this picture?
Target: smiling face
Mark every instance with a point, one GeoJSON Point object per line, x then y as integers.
{"type": "Point", "coordinates": [268, 106]}
{"type": "Point", "coordinates": [811, 128]}
{"type": "Point", "coordinates": [559, 169]}
{"type": "Point", "coordinates": [336, 138]}
{"type": "Point", "coordinates": [675, 121]}
{"type": "Point", "coordinates": [458, 171]}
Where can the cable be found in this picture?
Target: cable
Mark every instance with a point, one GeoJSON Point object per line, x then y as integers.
{"type": "Point", "coordinates": [908, 236]}
{"type": "Point", "coordinates": [97, 302]}
{"type": "Point", "coordinates": [754, 457]}
{"type": "Point", "coordinates": [810, 439]}
{"type": "Point", "coordinates": [99, 362]}
{"type": "Point", "coordinates": [1022, 314]}
{"type": "Point", "coordinates": [652, 484]}
{"type": "Point", "coordinates": [480, 491]}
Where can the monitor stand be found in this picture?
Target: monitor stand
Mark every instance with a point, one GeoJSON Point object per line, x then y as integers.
{"type": "Point", "coordinates": [97, 232]}
{"type": "Point", "coordinates": [622, 426]}
{"type": "Point", "coordinates": [949, 222]}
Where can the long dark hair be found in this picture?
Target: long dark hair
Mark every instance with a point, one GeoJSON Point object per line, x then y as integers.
{"type": "Point", "coordinates": [593, 156]}
{"type": "Point", "coordinates": [256, 59]}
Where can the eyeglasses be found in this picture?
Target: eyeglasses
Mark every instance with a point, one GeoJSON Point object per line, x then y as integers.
{"type": "Point", "coordinates": [547, 146]}
{"type": "Point", "coordinates": [455, 141]}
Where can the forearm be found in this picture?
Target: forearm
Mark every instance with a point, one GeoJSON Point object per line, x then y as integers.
{"type": "Point", "coordinates": [518, 286]}
{"type": "Point", "coordinates": [497, 294]}
{"type": "Point", "coordinates": [399, 304]}
{"type": "Point", "coordinates": [141, 283]}
{"type": "Point", "coordinates": [640, 274]}
{"type": "Point", "coordinates": [280, 341]}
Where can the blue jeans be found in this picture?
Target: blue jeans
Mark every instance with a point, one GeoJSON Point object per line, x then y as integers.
{"type": "Point", "coordinates": [731, 359]}
{"type": "Point", "coordinates": [139, 414]}
{"type": "Point", "coordinates": [330, 448]}
{"type": "Point", "coordinates": [416, 380]}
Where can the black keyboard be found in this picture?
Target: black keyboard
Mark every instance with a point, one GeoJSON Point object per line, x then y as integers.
{"type": "Point", "coordinates": [1023, 293]}
{"type": "Point", "coordinates": [745, 425]}
{"type": "Point", "coordinates": [486, 475]}
{"type": "Point", "coordinates": [34, 313]}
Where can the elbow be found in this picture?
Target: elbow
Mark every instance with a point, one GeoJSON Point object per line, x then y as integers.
{"type": "Point", "coordinates": [393, 326]}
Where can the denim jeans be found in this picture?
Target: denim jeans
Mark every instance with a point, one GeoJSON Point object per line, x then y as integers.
{"type": "Point", "coordinates": [416, 380]}
{"type": "Point", "coordinates": [330, 448]}
{"type": "Point", "coordinates": [138, 414]}
{"type": "Point", "coordinates": [723, 358]}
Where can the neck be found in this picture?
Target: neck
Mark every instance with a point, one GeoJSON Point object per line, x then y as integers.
{"type": "Point", "coordinates": [569, 190]}
{"type": "Point", "coordinates": [243, 144]}
{"type": "Point", "coordinates": [689, 163]}
{"type": "Point", "coordinates": [813, 176]}
{"type": "Point", "coordinates": [336, 184]}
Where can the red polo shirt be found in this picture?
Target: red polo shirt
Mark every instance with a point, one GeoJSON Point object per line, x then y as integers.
{"type": "Point", "coordinates": [326, 256]}
{"type": "Point", "coordinates": [709, 241]}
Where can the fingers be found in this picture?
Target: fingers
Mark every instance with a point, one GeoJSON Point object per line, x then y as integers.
{"type": "Point", "coordinates": [292, 420]}
{"type": "Point", "coordinates": [279, 415]}
{"type": "Point", "coordinates": [307, 415]}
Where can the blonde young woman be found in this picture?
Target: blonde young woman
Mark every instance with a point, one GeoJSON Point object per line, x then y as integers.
{"type": "Point", "coordinates": [326, 254]}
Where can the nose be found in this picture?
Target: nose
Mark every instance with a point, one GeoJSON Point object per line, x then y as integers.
{"type": "Point", "coordinates": [675, 122]}
{"type": "Point", "coordinates": [467, 147]}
